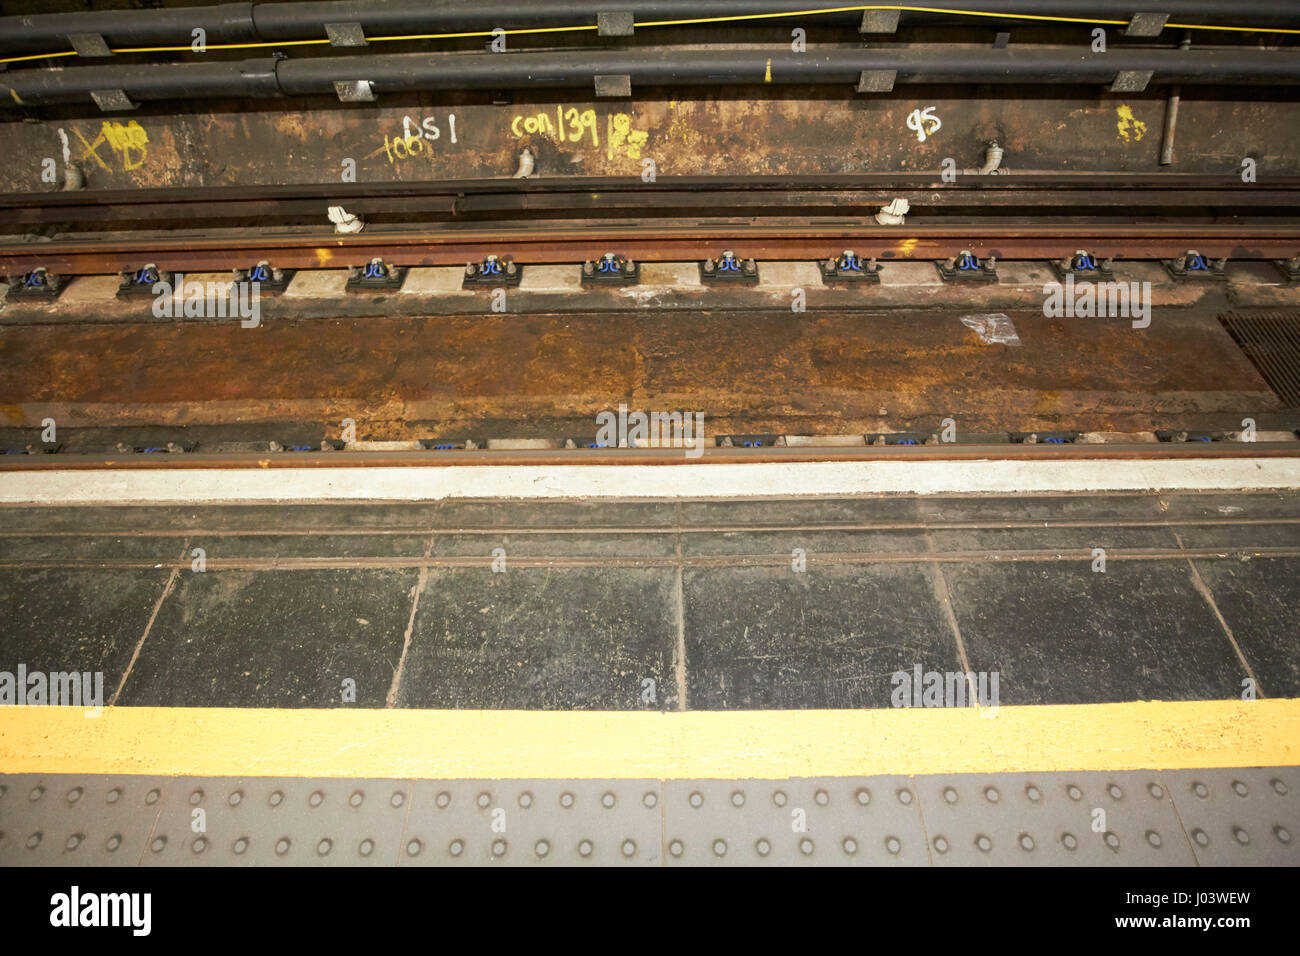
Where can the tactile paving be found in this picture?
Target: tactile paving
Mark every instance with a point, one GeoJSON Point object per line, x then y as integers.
{"type": "Point", "coordinates": [1086, 819]}
{"type": "Point", "coordinates": [75, 820]}
{"type": "Point", "coordinates": [1131, 818]}
{"type": "Point", "coordinates": [805, 822]}
{"type": "Point", "coordinates": [1240, 817]}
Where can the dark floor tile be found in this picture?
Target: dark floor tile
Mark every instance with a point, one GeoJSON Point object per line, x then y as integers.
{"type": "Point", "coordinates": [809, 541]}
{"type": "Point", "coordinates": [414, 516]}
{"type": "Point", "coordinates": [543, 514]}
{"type": "Point", "coordinates": [1226, 504]}
{"type": "Point", "coordinates": [292, 546]}
{"type": "Point", "coordinates": [544, 639]}
{"type": "Point", "coordinates": [583, 545]}
{"type": "Point", "coordinates": [1260, 600]}
{"type": "Point", "coordinates": [830, 637]}
{"type": "Point", "coordinates": [274, 639]}
{"type": "Point", "coordinates": [67, 619]}
{"type": "Point", "coordinates": [1053, 539]}
{"type": "Point", "coordinates": [799, 512]}
{"type": "Point", "coordinates": [1240, 537]}
{"type": "Point", "coordinates": [79, 547]}
{"type": "Point", "coordinates": [937, 510]}
{"type": "Point", "coordinates": [1064, 634]}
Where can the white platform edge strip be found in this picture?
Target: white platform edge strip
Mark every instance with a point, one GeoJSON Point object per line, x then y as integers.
{"type": "Point", "coordinates": [425, 483]}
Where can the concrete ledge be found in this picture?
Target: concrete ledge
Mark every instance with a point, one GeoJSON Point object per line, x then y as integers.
{"type": "Point", "coordinates": [90, 289]}
{"type": "Point", "coordinates": [671, 275]}
{"type": "Point", "coordinates": [1027, 274]}
{"type": "Point", "coordinates": [684, 480]}
{"type": "Point", "coordinates": [789, 275]}
{"type": "Point", "coordinates": [825, 441]}
{"type": "Point", "coordinates": [437, 280]}
{"type": "Point", "coordinates": [318, 284]}
{"type": "Point", "coordinates": [551, 279]}
{"type": "Point", "coordinates": [909, 273]}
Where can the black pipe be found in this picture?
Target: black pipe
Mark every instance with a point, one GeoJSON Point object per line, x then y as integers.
{"type": "Point", "coordinates": [244, 78]}
{"type": "Point", "coordinates": [287, 20]}
{"type": "Point", "coordinates": [418, 71]}
{"type": "Point", "coordinates": [250, 22]}
{"type": "Point", "coordinates": [576, 69]}
{"type": "Point", "coordinates": [49, 32]}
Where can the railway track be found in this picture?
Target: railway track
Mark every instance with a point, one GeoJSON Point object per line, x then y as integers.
{"type": "Point", "coordinates": [559, 220]}
{"type": "Point", "coordinates": [651, 241]}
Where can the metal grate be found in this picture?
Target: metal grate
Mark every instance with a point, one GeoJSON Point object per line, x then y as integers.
{"type": "Point", "coordinates": [1271, 340]}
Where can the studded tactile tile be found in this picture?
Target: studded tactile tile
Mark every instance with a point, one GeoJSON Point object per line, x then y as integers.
{"type": "Point", "coordinates": [1088, 819]}
{"type": "Point", "coordinates": [532, 822]}
{"type": "Point", "coordinates": [1241, 816]}
{"type": "Point", "coordinates": [261, 822]}
{"type": "Point", "coordinates": [74, 820]}
{"type": "Point", "coordinates": [811, 822]}
{"type": "Point", "coordinates": [1211, 817]}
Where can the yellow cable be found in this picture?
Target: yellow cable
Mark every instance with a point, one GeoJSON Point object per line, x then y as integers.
{"type": "Point", "coordinates": [675, 23]}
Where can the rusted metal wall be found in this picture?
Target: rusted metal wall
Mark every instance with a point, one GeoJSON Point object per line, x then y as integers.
{"type": "Point", "coordinates": [743, 132]}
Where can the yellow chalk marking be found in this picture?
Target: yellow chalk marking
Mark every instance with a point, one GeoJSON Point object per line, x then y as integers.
{"type": "Point", "coordinates": [1128, 126]}
{"type": "Point", "coordinates": [767, 77]}
{"type": "Point", "coordinates": [597, 744]}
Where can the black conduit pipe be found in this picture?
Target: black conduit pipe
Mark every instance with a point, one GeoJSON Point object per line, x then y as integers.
{"type": "Point", "coordinates": [254, 22]}
{"type": "Point", "coordinates": [652, 67]}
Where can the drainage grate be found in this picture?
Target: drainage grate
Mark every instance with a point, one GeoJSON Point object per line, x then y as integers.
{"type": "Point", "coordinates": [1271, 340]}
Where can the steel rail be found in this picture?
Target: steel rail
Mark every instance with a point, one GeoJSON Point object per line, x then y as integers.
{"type": "Point", "coordinates": [596, 198]}
{"type": "Point", "coordinates": [1009, 181]}
{"type": "Point", "coordinates": [549, 242]}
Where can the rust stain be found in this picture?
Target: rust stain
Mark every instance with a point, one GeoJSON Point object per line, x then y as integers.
{"type": "Point", "coordinates": [412, 376]}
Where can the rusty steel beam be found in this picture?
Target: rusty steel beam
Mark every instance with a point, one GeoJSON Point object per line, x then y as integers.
{"type": "Point", "coordinates": [654, 241]}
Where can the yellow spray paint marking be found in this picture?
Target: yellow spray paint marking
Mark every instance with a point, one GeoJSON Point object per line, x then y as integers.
{"type": "Point", "coordinates": [129, 142]}
{"type": "Point", "coordinates": [1130, 130]}
{"type": "Point", "coordinates": [619, 134]}
{"type": "Point", "coordinates": [323, 256]}
{"type": "Point", "coordinates": [907, 246]}
{"type": "Point", "coordinates": [569, 126]}
{"type": "Point", "coordinates": [767, 78]}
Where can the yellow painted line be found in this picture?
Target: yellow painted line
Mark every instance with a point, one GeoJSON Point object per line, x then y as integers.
{"type": "Point", "coordinates": [446, 744]}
